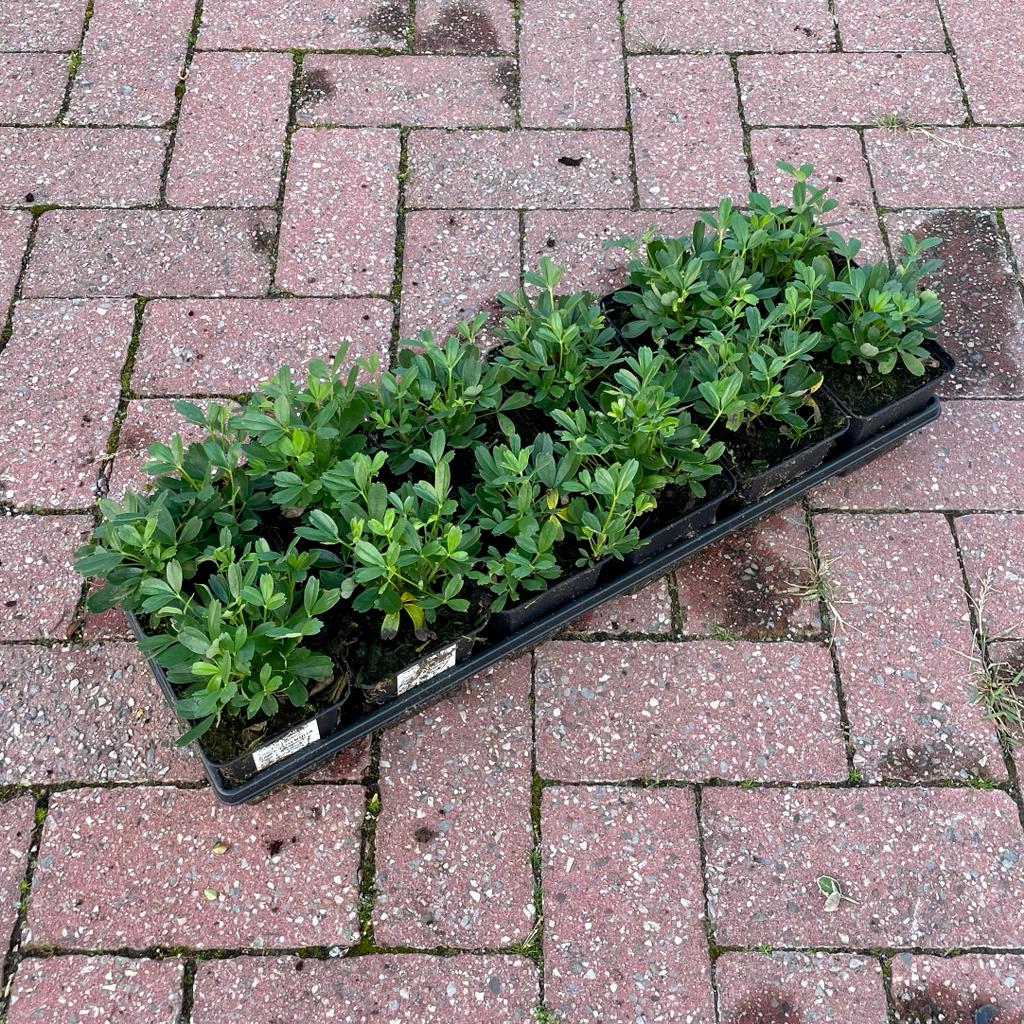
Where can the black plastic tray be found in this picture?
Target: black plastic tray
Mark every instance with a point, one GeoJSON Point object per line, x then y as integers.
{"type": "Point", "coordinates": [623, 581]}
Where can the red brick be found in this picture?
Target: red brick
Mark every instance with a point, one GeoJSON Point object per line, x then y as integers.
{"type": "Point", "coordinates": [338, 226]}
{"type": "Point", "coordinates": [81, 166]}
{"type": "Point", "coordinates": [882, 25]}
{"type": "Point", "coordinates": [647, 611]}
{"type": "Point", "coordinates": [453, 836]}
{"type": "Point", "coordinates": [615, 710]}
{"type": "Point", "coordinates": [352, 764]}
{"type": "Point", "coordinates": [303, 25]}
{"type": "Point", "coordinates": [17, 819]}
{"type": "Point", "coordinates": [456, 26]}
{"type": "Point", "coordinates": [955, 988]}
{"type": "Point", "coordinates": [108, 625]}
{"type": "Point", "coordinates": [150, 252]}
{"type": "Point", "coordinates": [396, 989]}
{"type": "Point", "coordinates": [455, 264]}
{"type": "Point", "coordinates": [422, 91]}
{"type": "Point", "coordinates": [686, 131]}
{"type": "Point", "coordinates": [41, 24]}
{"type": "Point", "coordinates": [519, 169]}
{"type": "Point", "coordinates": [947, 167]}
{"type": "Point", "coordinates": [993, 550]}
{"type": "Point", "coordinates": [753, 584]}
{"type": "Point", "coordinates": [230, 139]}
{"type": "Point", "coordinates": [132, 59]}
{"type": "Point", "coordinates": [32, 86]}
{"type": "Point", "coordinates": [1014, 222]}
{"type": "Point", "coordinates": [624, 932]}
{"type": "Point", "coordinates": [903, 650]}
{"type": "Point", "coordinates": [14, 225]}
{"type": "Point", "coordinates": [60, 383]}
{"type": "Point", "coordinates": [133, 868]}
{"type": "Point", "coordinates": [37, 578]}
{"type": "Point", "coordinates": [744, 25]}
{"type": "Point", "coordinates": [571, 60]}
{"type": "Point", "coordinates": [849, 88]}
{"type": "Point", "coordinates": [928, 867]}
{"type": "Point", "coordinates": [790, 987]}
{"type": "Point", "coordinates": [839, 163]}
{"type": "Point", "coordinates": [983, 326]}
{"type": "Point", "coordinates": [972, 457]}
{"type": "Point", "coordinates": [115, 989]}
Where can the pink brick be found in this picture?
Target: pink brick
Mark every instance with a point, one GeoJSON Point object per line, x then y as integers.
{"type": "Point", "coordinates": [303, 24]}
{"type": "Point", "coordinates": [1014, 223]}
{"type": "Point", "coordinates": [132, 57]}
{"type": "Point", "coordinates": [110, 988]}
{"type": "Point", "coordinates": [752, 584]}
{"type": "Point", "coordinates": [624, 932]}
{"type": "Point", "coordinates": [902, 652]}
{"type": "Point", "coordinates": [81, 166]}
{"type": "Point", "coordinates": [957, 988]}
{"type": "Point", "coordinates": [461, 26]}
{"type": "Point", "coordinates": [17, 818]}
{"type": "Point", "coordinates": [60, 383]}
{"type": "Point", "coordinates": [227, 346]}
{"type": "Point", "coordinates": [421, 91]}
{"type": "Point", "coordinates": [983, 326]}
{"type": "Point", "coordinates": [230, 140]}
{"type": "Point", "coordinates": [648, 611]}
{"type": "Point", "coordinates": [571, 60]}
{"type": "Point", "coordinates": [993, 551]}
{"type": "Point", "coordinates": [519, 169]}
{"type": "Point", "coordinates": [839, 163]}
{"type": "Point", "coordinates": [947, 167]}
{"type": "Point", "coordinates": [686, 131]}
{"type": "Point", "coordinates": [41, 24]}
{"type": "Point", "coordinates": [929, 867]}
{"type": "Point", "coordinates": [14, 225]}
{"type": "Point", "coordinates": [352, 764]}
{"type": "Point", "coordinates": [744, 25]}
{"type": "Point", "coordinates": [108, 625]}
{"type": "Point", "coordinates": [32, 86]}
{"type": "Point", "coordinates": [453, 836]}
{"type": "Point", "coordinates": [455, 264]}
{"type": "Point", "coordinates": [849, 88]}
{"type": "Point", "coordinates": [134, 868]}
{"type": "Point", "coordinates": [972, 457]}
{"type": "Point", "coordinates": [396, 989]}
{"type": "Point", "coordinates": [881, 25]}
{"type": "Point", "coordinates": [37, 578]}
{"type": "Point", "coordinates": [338, 226]}
{"type": "Point", "coordinates": [151, 252]}
{"type": "Point", "coordinates": [786, 988]}
{"type": "Point", "coordinates": [614, 711]}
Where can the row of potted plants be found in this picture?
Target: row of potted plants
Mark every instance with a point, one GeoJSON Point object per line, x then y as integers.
{"type": "Point", "coordinates": [330, 531]}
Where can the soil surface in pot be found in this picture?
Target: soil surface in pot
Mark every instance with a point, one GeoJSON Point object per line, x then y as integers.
{"type": "Point", "coordinates": [865, 393]}
{"type": "Point", "coordinates": [674, 502]}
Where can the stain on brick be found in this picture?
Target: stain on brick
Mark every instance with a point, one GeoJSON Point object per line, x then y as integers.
{"type": "Point", "coordinates": [766, 1007]}
{"type": "Point", "coordinates": [314, 87]}
{"type": "Point", "coordinates": [506, 78]}
{"type": "Point", "coordinates": [460, 29]}
{"type": "Point", "coordinates": [945, 1008]}
{"type": "Point", "coordinates": [389, 19]}
{"type": "Point", "coordinates": [263, 239]}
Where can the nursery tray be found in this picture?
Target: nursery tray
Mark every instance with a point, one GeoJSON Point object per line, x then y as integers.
{"type": "Point", "coordinates": [617, 581]}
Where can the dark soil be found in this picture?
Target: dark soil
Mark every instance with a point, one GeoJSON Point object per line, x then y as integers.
{"type": "Point", "coordinates": [865, 393]}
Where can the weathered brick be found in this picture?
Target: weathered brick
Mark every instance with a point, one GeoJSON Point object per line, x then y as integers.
{"type": "Point", "coordinates": [460, 26]}
{"type": "Point", "coordinates": [744, 25]}
{"type": "Point", "coordinates": [647, 611]}
{"type": "Point", "coordinates": [755, 584]}
{"type": "Point", "coordinates": [957, 988]}
{"type": "Point", "coordinates": [616, 710]}
{"type": "Point", "coordinates": [686, 131]}
{"type": "Point", "coordinates": [135, 868]}
{"type": "Point", "coordinates": [839, 163]}
{"type": "Point", "coordinates": [37, 578]}
{"type": "Point", "coordinates": [903, 649]}
{"type": "Point", "coordinates": [571, 60]}
{"type": "Point", "coordinates": [338, 225]}
{"type": "Point", "coordinates": [230, 139]}
{"type": "Point", "coordinates": [972, 457]}
{"type": "Point", "coordinates": [1014, 223]}
{"type": "Point", "coordinates": [785, 988]}
{"type": "Point", "coordinates": [132, 60]}
{"type": "Point", "coordinates": [41, 24]}
{"type": "Point", "coordinates": [993, 554]}
{"type": "Point", "coordinates": [519, 169]}
{"type": "Point", "coordinates": [81, 166]}
{"type": "Point", "coordinates": [983, 326]}
{"type": "Point", "coordinates": [639, 951]}
{"type": "Point", "coordinates": [455, 264]}
{"type": "Point", "coordinates": [110, 988]}
{"type": "Point", "coordinates": [453, 836]}
{"type": "Point", "coordinates": [60, 383]}
{"type": "Point", "coordinates": [352, 764]}
{"type": "Point", "coordinates": [14, 225]}
{"type": "Point", "coordinates": [227, 346]}
{"type": "Point", "coordinates": [947, 167]}
{"type": "Point", "coordinates": [150, 252]}
{"type": "Point", "coordinates": [927, 867]}
{"type": "Point", "coordinates": [399, 989]}
{"type": "Point", "coordinates": [17, 818]}
{"type": "Point", "coordinates": [420, 91]}
{"type": "Point", "coordinates": [32, 86]}
{"type": "Point", "coordinates": [881, 25]}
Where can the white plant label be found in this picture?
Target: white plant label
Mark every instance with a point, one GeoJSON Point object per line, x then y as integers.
{"type": "Point", "coordinates": [298, 738]}
{"type": "Point", "coordinates": [426, 668]}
